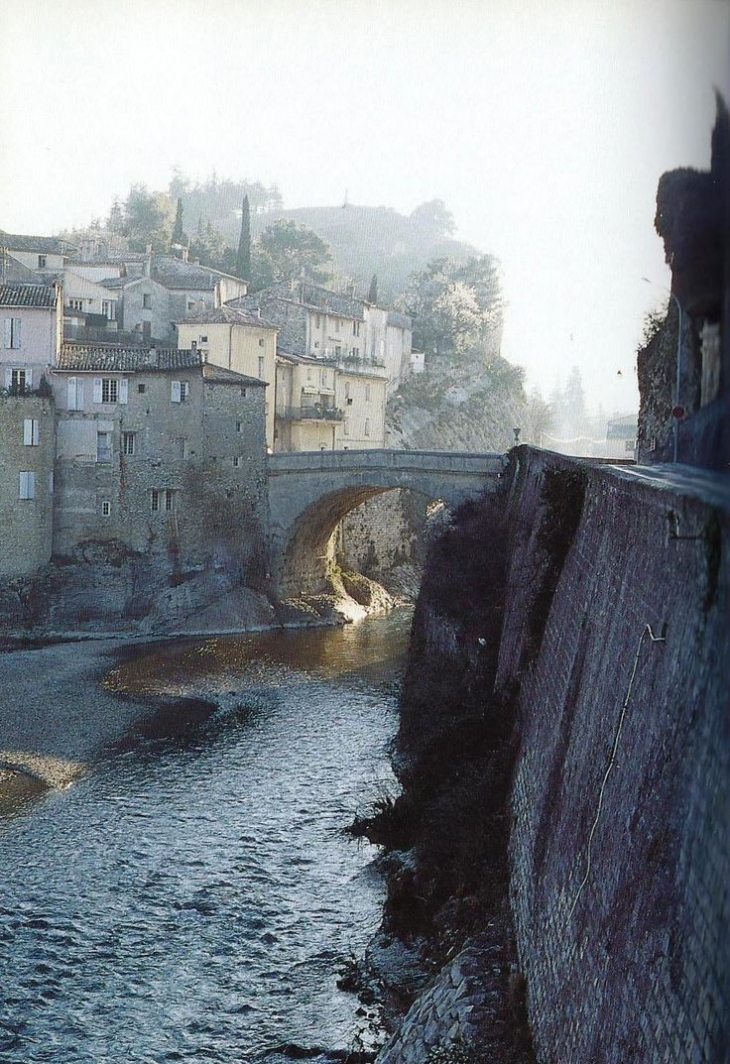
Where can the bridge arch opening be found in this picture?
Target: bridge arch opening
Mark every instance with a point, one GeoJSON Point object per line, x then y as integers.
{"type": "Point", "coordinates": [315, 546]}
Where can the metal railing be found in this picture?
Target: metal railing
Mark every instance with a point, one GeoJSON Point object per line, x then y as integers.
{"type": "Point", "coordinates": [311, 413]}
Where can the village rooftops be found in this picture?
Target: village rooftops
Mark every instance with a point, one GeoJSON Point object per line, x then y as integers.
{"type": "Point", "coordinates": [50, 245]}
{"type": "Point", "coordinates": [311, 297]}
{"type": "Point", "coordinates": [227, 315]}
{"type": "Point", "coordinates": [174, 273]}
{"type": "Point", "coordinates": [28, 295]}
{"type": "Point", "coordinates": [111, 358]}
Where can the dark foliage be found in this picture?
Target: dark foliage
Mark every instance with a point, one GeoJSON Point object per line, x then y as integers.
{"type": "Point", "coordinates": [562, 496]}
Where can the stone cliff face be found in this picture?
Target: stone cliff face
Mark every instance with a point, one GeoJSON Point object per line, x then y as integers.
{"type": "Point", "coordinates": [582, 766]}
{"type": "Point", "coordinates": [458, 404]}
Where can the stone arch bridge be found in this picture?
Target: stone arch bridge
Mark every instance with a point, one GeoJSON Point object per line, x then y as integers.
{"type": "Point", "coordinates": [311, 491]}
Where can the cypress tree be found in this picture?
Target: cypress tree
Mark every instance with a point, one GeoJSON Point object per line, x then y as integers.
{"type": "Point", "coordinates": [178, 236]}
{"type": "Point", "coordinates": [243, 258]}
{"type": "Point", "coordinates": [373, 292]}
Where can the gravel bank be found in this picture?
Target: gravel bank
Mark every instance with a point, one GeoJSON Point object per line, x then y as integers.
{"type": "Point", "coordinates": [55, 715]}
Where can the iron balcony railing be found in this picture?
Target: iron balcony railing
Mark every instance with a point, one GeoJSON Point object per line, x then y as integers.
{"type": "Point", "coordinates": [312, 413]}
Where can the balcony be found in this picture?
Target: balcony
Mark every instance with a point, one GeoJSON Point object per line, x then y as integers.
{"type": "Point", "coordinates": [316, 412]}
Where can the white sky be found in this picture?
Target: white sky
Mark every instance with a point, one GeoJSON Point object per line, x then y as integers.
{"type": "Point", "coordinates": [543, 124]}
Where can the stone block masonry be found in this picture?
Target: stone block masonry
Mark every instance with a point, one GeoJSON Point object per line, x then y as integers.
{"type": "Point", "coordinates": [619, 850]}
{"type": "Point", "coordinates": [27, 449]}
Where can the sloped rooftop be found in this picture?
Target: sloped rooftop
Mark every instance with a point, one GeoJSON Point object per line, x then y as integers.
{"type": "Point", "coordinates": [113, 358]}
{"type": "Point", "coordinates": [227, 315]}
{"type": "Point", "coordinates": [51, 245]}
{"type": "Point", "coordinates": [28, 295]}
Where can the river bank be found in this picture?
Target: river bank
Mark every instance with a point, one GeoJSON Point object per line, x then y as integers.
{"type": "Point", "coordinates": [55, 715]}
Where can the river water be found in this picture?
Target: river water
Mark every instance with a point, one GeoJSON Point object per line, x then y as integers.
{"type": "Point", "coordinates": [193, 898]}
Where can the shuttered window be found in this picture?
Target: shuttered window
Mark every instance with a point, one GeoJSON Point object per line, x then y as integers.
{"type": "Point", "coordinates": [31, 431]}
{"type": "Point", "coordinates": [26, 486]}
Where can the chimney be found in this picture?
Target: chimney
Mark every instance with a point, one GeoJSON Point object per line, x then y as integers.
{"type": "Point", "coordinates": [184, 254]}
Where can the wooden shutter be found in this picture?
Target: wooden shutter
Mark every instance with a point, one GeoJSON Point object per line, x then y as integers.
{"type": "Point", "coordinates": [71, 393]}
{"type": "Point", "coordinates": [123, 390]}
{"type": "Point", "coordinates": [7, 331]}
{"type": "Point", "coordinates": [175, 391]}
{"type": "Point", "coordinates": [97, 389]}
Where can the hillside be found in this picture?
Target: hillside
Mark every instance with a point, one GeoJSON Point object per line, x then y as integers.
{"type": "Point", "coordinates": [374, 240]}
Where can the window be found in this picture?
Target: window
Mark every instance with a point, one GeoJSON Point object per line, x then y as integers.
{"type": "Point", "coordinates": [237, 460]}
{"type": "Point", "coordinates": [76, 304]}
{"type": "Point", "coordinates": [318, 321]}
{"type": "Point", "coordinates": [17, 380]}
{"type": "Point", "coordinates": [323, 377]}
{"type": "Point", "coordinates": [75, 393]}
{"type": "Point", "coordinates": [11, 332]}
{"type": "Point", "coordinates": [146, 301]}
{"type": "Point", "coordinates": [204, 339]}
{"type": "Point", "coordinates": [261, 367]}
{"type": "Point", "coordinates": [356, 328]}
{"type": "Point", "coordinates": [262, 342]}
{"type": "Point", "coordinates": [103, 446]}
{"type": "Point", "coordinates": [238, 426]}
{"type": "Point", "coordinates": [367, 393]}
{"type": "Point", "coordinates": [110, 390]}
{"type": "Point", "coordinates": [337, 324]}
{"type": "Point", "coordinates": [356, 352]}
{"type": "Point", "coordinates": [179, 391]}
{"type": "Point", "coordinates": [162, 499]}
{"type": "Point", "coordinates": [27, 486]}
{"type": "Point", "coordinates": [630, 445]}
{"type": "Point", "coordinates": [243, 392]}
{"type": "Point", "coordinates": [41, 262]}
{"type": "Point", "coordinates": [31, 431]}
{"type": "Point", "coordinates": [346, 426]}
{"type": "Point", "coordinates": [141, 388]}
{"type": "Point", "coordinates": [183, 447]}
{"type": "Point", "coordinates": [128, 443]}
{"type": "Point", "coordinates": [106, 509]}
{"type": "Point", "coordinates": [367, 426]}
{"type": "Point", "coordinates": [109, 309]}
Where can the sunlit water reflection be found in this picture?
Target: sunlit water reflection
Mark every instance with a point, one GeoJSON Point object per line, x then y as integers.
{"type": "Point", "coordinates": [193, 898]}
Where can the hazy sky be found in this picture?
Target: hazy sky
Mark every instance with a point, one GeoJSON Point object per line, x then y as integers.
{"type": "Point", "coordinates": [543, 124]}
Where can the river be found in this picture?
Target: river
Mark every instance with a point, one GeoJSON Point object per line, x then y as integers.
{"type": "Point", "coordinates": [193, 897]}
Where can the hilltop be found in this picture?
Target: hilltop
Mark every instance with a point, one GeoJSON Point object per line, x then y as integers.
{"type": "Point", "coordinates": [374, 240]}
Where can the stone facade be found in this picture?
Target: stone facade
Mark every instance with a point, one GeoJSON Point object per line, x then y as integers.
{"type": "Point", "coordinates": [27, 449]}
{"type": "Point", "coordinates": [170, 461]}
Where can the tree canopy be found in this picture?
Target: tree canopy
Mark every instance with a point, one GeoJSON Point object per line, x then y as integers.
{"type": "Point", "coordinates": [287, 251]}
{"type": "Point", "coordinates": [456, 306]}
{"type": "Point", "coordinates": [145, 218]}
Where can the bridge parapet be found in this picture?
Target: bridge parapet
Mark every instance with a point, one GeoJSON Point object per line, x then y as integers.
{"type": "Point", "coordinates": [377, 458]}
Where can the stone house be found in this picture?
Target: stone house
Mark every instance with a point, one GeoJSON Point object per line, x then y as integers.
{"type": "Point", "coordinates": [32, 322]}
{"type": "Point", "coordinates": [27, 450]}
{"type": "Point", "coordinates": [164, 290]}
{"type": "Point", "coordinates": [143, 308]}
{"type": "Point", "coordinates": [236, 340]}
{"type": "Point", "coordinates": [357, 340]}
{"type": "Point", "coordinates": [328, 405]}
{"type": "Point", "coordinates": [307, 416]}
{"type": "Point", "coordinates": [42, 254]}
{"type": "Point", "coordinates": [163, 454]}
{"type": "Point", "coordinates": [89, 302]}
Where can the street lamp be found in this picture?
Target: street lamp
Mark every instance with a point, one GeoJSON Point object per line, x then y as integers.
{"type": "Point", "coordinates": [677, 410]}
